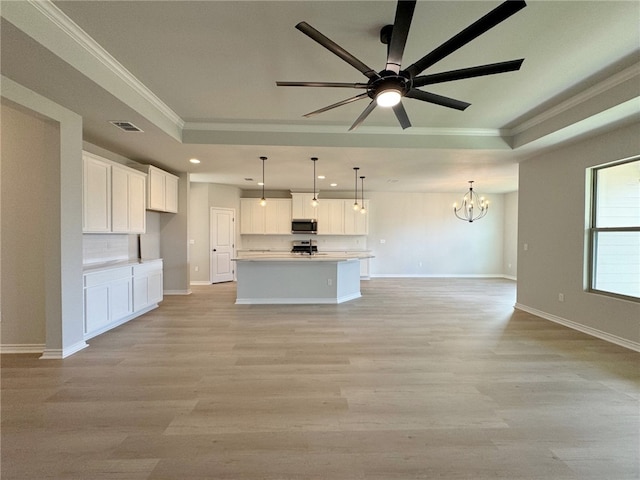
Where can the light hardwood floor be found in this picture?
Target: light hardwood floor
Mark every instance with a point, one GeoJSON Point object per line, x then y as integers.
{"type": "Point", "coordinates": [418, 379]}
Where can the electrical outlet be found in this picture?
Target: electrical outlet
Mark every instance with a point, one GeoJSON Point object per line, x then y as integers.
{"type": "Point", "coordinates": [196, 268]}
{"type": "Point", "coordinates": [526, 247]}
{"type": "Point", "coordinates": [419, 264]}
{"type": "Point", "coordinates": [383, 241]}
{"type": "Point", "coordinates": [329, 282]}
{"type": "Point", "coordinates": [561, 297]}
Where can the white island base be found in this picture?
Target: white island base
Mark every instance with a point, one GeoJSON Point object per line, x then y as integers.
{"type": "Point", "coordinates": [297, 280]}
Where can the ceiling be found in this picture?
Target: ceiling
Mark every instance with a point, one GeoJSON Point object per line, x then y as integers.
{"type": "Point", "coordinates": [200, 79]}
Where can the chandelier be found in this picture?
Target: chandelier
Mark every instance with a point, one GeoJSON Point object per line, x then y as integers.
{"type": "Point", "coordinates": [472, 208]}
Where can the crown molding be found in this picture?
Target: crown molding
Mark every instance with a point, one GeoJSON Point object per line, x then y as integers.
{"type": "Point", "coordinates": [335, 129]}
{"type": "Point", "coordinates": [582, 97]}
{"type": "Point", "coordinates": [63, 23]}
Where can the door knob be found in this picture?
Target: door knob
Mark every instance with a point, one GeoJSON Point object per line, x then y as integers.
{"type": "Point", "coordinates": [214, 250]}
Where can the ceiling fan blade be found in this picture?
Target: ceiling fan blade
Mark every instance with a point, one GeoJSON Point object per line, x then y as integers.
{"type": "Point", "coordinates": [363, 115]}
{"type": "Point", "coordinates": [399, 33]}
{"type": "Point", "coordinates": [321, 84]}
{"type": "Point", "coordinates": [490, 20]}
{"type": "Point", "coordinates": [401, 115]}
{"type": "Point", "coordinates": [336, 49]}
{"type": "Point", "coordinates": [436, 99]}
{"type": "Point", "coordinates": [339, 104]}
{"type": "Point", "coordinates": [479, 71]}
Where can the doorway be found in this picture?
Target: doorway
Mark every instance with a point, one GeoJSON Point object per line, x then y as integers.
{"type": "Point", "coordinates": [222, 240]}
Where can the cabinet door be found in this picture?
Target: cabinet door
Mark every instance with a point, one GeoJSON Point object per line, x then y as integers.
{"type": "Point", "coordinates": [301, 206]}
{"type": "Point", "coordinates": [156, 193]}
{"type": "Point", "coordinates": [355, 222]}
{"type": "Point", "coordinates": [171, 193]}
{"type": "Point", "coordinates": [331, 217]}
{"type": "Point", "coordinates": [120, 301]}
{"type": "Point", "coordinates": [278, 216]}
{"type": "Point", "coordinates": [96, 307]}
{"type": "Point", "coordinates": [96, 196]}
{"type": "Point", "coordinates": [119, 200]}
{"type": "Point", "coordinates": [137, 196]}
{"type": "Point", "coordinates": [155, 287]}
{"type": "Point", "coordinates": [252, 216]}
{"type": "Point", "coordinates": [140, 292]}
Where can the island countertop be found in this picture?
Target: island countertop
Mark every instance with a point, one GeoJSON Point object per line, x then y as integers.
{"type": "Point", "coordinates": [271, 256]}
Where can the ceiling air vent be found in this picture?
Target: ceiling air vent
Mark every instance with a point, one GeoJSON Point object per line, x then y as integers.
{"type": "Point", "coordinates": [126, 126]}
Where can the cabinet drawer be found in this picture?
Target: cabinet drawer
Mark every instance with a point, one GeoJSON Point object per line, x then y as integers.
{"type": "Point", "coordinates": [98, 278]}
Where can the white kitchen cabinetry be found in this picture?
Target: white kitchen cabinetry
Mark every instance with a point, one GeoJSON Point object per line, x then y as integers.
{"type": "Point", "coordinates": [128, 200]}
{"type": "Point", "coordinates": [113, 197]}
{"type": "Point", "coordinates": [278, 216]}
{"type": "Point", "coordinates": [162, 190]}
{"type": "Point", "coordinates": [113, 296]}
{"type": "Point", "coordinates": [107, 298]}
{"type": "Point", "coordinates": [147, 284]}
{"type": "Point", "coordinates": [252, 216]}
{"type": "Point", "coordinates": [96, 195]}
{"type": "Point", "coordinates": [273, 219]}
{"type": "Point", "coordinates": [331, 217]}
{"type": "Point", "coordinates": [355, 223]}
{"type": "Point", "coordinates": [301, 206]}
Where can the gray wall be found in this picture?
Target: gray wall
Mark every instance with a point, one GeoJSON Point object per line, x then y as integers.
{"type": "Point", "coordinates": [31, 152]}
{"type": "Point", "coordinates": [510, 259]}
{"type": "Point", "coordinates": [55, 197]}
{"type": "Point", "coordinates": [174, 245]}
{"type": "Point", "coordinates": [552, 211]}
{"type": "Point", "coordinates": [203, 196]}
{"type": "Point", "coordinates": [422, 237]}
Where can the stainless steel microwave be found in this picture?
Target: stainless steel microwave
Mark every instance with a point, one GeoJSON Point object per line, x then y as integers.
{"type": "Point", "coordinates": [304, 225]}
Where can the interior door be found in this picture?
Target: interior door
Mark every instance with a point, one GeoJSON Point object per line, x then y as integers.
{"type": "Point", "coordinates": [222, 237]}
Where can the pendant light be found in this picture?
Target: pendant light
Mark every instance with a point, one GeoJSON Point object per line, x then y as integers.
{"type": "Point", "coordinates": [356, 207]}
{"type": "Point", "coordinates": [263, 201]}
{"type": "Point", "coordinates": [472, 208]}
{"type": "Point", "coordinates": [362, 209]}
{"type": "Point", "coordinates": [314, 201]}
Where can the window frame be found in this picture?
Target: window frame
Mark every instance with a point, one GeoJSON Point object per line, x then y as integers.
{"type": "Point", "coordinates": [593, 232]}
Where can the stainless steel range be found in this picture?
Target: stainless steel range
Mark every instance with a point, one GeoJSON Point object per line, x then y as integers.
{"type": "Point", "coordinates": [304, 246]}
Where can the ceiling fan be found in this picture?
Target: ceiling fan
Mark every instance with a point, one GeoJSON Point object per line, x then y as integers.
{"type": "Point", "coordinates": [387, 87]}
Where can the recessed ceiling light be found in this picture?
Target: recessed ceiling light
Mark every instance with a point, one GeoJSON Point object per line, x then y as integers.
{"type": "Point", "coordinates": [260, 183]}
{"type": "Point", "coordinates": [321, 177]}
{"type": "Point", "coordinates": [194, 160]}
{"type": "Point", "coordinates": [334, 184]}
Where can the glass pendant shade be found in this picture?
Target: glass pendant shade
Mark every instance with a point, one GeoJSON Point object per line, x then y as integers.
{"type": "Point", "coordinates": [355, 191]}
{"type": "Point", "coordinates": [363, 210]}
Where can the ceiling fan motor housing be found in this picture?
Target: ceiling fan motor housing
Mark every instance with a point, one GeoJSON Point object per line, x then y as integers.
{"type": "Point", "coordinates": [388, 80]}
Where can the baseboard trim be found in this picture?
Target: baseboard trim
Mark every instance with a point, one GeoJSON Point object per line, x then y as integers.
{"type": "Point", "coordinates": [22, 348]}
{"type": "Point", "coordinates": [200, 282]}
{"type": "Point", "coordinates": [439, 275]}
{"type": "Point", "coordinates": [297, 301]}
{"type": "Point", "coordinates": [60, 353]}
{"type": "Point", "coordinates": [177, 292]}
{"type": "Point", "coordinates": [594, 332]}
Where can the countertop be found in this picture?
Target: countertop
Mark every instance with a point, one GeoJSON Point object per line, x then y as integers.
{"type": "Point", "coordinates": [95, 267]}
{"type": "Point", "coordinates": [288, 256]}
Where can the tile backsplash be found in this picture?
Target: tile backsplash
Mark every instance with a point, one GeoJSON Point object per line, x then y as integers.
{"type": "Point", "coordinates": [106, 248]}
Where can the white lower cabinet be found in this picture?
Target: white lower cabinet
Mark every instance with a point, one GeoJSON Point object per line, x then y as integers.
{"type": "Point", "coordinates": [147, 285]}
{"type": "Point", "coordinates": [116, 295]}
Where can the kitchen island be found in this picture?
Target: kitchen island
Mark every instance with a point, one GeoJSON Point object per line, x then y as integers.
{"type": "Point", "coordinates": [297, 279]}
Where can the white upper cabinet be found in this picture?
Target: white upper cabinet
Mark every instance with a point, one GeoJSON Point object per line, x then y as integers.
{"type": "Point", "coordinates": [273, 219]}
{"type": "Point", "coordinates": [355, 222]}
{"type": "Point", "coordinates": [128, 200]}
{"type": "Point", "coordinates": [162, 190]}
{"type": "Point", "coordinates": [278, 216]}
{"type": "Point", "coordinates": [96, 195]}
{"type": "Point", "coordinates": [113, 197]}
{"type": "Point", "coordinates": [301, 206]}
{"type": "Point", "coordinates": [331, 217]}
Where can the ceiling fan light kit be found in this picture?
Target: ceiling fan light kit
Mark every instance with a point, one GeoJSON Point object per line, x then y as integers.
{"type": "Point", "coordinates": [387, 87]}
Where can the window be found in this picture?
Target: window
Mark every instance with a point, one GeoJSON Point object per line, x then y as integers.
{"type": "Point", "coordinates": [615, 230]}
